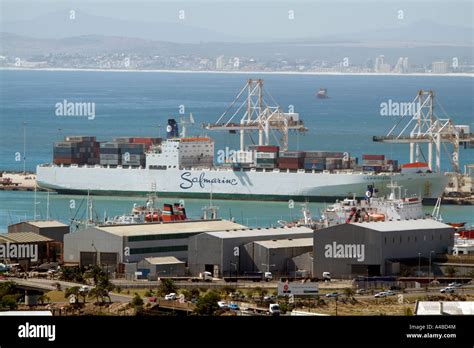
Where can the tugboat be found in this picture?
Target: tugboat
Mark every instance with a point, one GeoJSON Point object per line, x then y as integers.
{"type": "Point", "coordinates": [322, 93]}
{"type": "Point", "coordinates": [149, 213]}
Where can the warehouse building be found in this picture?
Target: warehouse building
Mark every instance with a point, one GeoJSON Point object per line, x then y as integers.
{"type": "Point", "coordinates": [114, 244]}
{"type": "Point", "coordinates": [223, 252]}
{"type": "Point", "coordinates": [28, 249]}
{"type": "Point", "coordinates": [274, 256]}
{"type": "Point", "coordinates": [49, 228]}
{"type": "Point", "coordinates": [167, 266]}
{"type": "Point", "coordinates": [377, 248]}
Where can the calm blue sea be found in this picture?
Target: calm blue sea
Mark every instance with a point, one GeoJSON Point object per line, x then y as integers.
{"type": "Point", "coordinates": [139, 104]}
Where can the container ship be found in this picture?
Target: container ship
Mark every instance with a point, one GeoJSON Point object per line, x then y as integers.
{"type": "Point", "coordinates": [183, 166]}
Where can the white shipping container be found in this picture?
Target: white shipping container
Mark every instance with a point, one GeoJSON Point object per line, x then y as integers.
{"type": "Point", "coordinates": [463, 128]}
{"type": "Point", "coordinates": [243, 157]}
{"type": "Point", "coordinates": [266, 155]}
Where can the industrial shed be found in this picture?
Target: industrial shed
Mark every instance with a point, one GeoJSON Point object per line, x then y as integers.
{"type": "Point", "coordinates": [49, 228]}
{"type": "Point", "coordinates": [274, 256]}
{"type": "Point", "coordinates": [167, 266]}
{"type": "Point", "coordinates": [222, 252]}
{"type": "Point", "coordinates": [369, 248]}
{"type": "Point", "coordinates": [113, 244]}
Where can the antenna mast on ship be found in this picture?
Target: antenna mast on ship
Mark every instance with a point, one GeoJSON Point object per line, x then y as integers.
{"type": "Point", "coordinates": [253, 113]}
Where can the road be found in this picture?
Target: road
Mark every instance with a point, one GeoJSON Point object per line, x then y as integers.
{"type": "Point", "coordinates": [49, 285]}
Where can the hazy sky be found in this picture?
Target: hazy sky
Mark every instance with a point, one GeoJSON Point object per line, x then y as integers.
{"type": "Point", "coordinates": [263, 18]}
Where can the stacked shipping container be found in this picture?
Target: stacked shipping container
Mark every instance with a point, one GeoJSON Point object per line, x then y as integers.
{"type": "Point", "coordinates": [84, 150]}
{"type": "Point", "coordinates": [266, 156]}
{"type": "Point", "coordinates": [291, 160]}
{"type": "Point", "coordinates": [377, 163]}
{"type": "Point", "coordinates": [76, 150]}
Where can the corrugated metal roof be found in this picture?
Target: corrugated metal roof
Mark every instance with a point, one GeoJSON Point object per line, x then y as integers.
{"type": "Point", "coordinates": [257, 232]}
{"type": "Point", "coordinates": [449, 307]}
{"type": "Point", "coordinates": [162, 260]}
{"type": "Point", "coordinates": [403, 225]}
{"type": "Point", "coordinates": [46, 223]}
{"type": "Point", "coordinates": [172, 227]}
{"type": "Point", "coordinates": [286, 243]}
{"type": "Point", "coordinates": [23, 237]}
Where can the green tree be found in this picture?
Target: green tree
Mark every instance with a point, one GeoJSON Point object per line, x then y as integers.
{"type": "Point", "coordinates": [261, 292]}
{"type": "Point", "coordinates": [167, 286]}
{"type": "Point", "coordinates": [148, 293]}
{"type": "Point", "coordinates": [228, 289]}
{"type": "Point", "coordinates": [187, 294]}
{"type": "Point", "coordinates": [9, 302]}
{"type": "Point", "coordinates": [137, 302]}
{"type": "Point", "coordinates": [74, 290]}
{"type": "Point", "coordinates": [451, 271]}
{"type": "Point", "coordinates": [349, 292]}
{"type": "Point", "coordinates": [207, 304]}
{"type": "Point", "coordinates": [7, 288]}
{"type": "Point", "coordinates": [43, 298]}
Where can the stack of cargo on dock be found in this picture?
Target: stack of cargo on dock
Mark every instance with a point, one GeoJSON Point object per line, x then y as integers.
{"type": "Point", "coordinates": [76, 150]}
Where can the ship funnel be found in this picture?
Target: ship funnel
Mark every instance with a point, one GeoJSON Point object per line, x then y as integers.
{"type": "Point", "coordinates": [172, 130]}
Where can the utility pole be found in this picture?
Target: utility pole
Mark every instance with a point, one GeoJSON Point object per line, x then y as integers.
{"type": "Point", "coordinates": [419, 264]}
{"type": "Point", "coordinates": [24, 148]}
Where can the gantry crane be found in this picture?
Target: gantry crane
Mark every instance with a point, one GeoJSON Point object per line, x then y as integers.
{"type": "Point", "coordinates": [253, 113]}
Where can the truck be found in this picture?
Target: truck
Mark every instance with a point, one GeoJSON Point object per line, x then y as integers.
{"type": "Point", "coordinates": [327, 276]}
{"type": "Point", "coordinates": [251, 276]}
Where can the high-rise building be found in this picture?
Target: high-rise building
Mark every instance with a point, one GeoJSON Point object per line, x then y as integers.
{"type": "Point", "coordinates": [405, 65]}
{"type": "Point", "coordinates": [439, 67]}
{"type": "Point", "coordinates": [220, 63]}
{"type": "Point", "coordinates": [380, 65]}
{"type": "Point", "coordinates": [402, 65]}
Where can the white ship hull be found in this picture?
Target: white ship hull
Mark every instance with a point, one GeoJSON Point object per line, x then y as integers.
{"type": "Point", "coordinates": [229, 184]}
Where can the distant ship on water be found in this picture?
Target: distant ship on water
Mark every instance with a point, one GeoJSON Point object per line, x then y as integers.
{"type": "Point", "coordinates": [322, 93]}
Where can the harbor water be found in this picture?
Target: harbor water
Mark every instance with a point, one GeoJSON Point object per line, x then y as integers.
{"type": "Point", "coordinates": [139, 104]}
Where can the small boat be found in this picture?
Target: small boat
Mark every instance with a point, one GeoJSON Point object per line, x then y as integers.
{"type": "Point", "coordinates": [149, 213]}
{"type": "Point", "coordinates": [322, 93]}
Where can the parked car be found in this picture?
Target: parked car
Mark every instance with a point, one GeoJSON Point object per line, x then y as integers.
{"type": "Point", "coordinates": [390, 293]}
{"type": "Point", "coordinates": [171, 296]}
{"type": "Point", "coordinates": [381, 294]}
{"type": "Point", "coordinates": [274, 309]}
{"type": "Point", "coordinates": [272, 299]}
{"type": "Point", "coordinates": [85, 288]}
{"type": "Point", "coordinates": [448, 290]}
{"type": "Point", "coordinates": [332, 294]}
{"type": "Point", "coordinates": [455, 285]}
{"type": "Point", "coordinates": [361, 291]}
{"type": "Point", "coordinates": [222, 304]}
{"type": "Point", "coordinates": [234, 307]}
